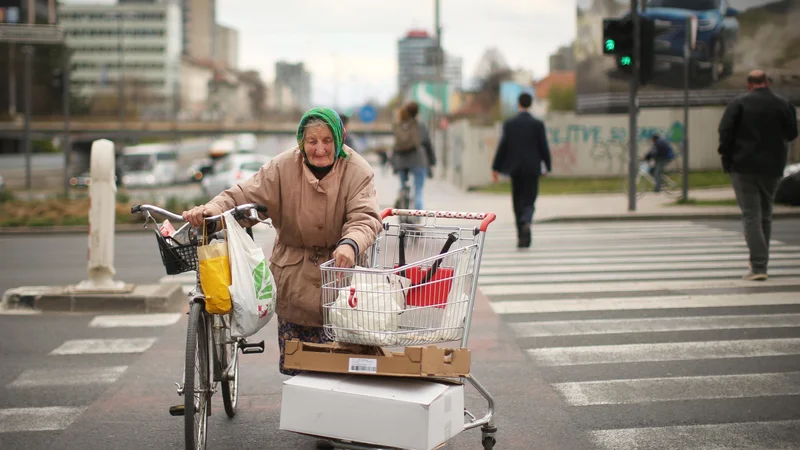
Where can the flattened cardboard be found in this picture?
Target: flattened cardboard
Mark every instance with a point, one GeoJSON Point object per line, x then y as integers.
{"type": "Point", "coordinates": [429, 361]}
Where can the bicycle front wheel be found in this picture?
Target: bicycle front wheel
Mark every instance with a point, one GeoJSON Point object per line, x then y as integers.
{"type": "Point", "coordinates": [642, 186]}
{"type": "Point", "coordinates": [230, 378]}
{"type": "Point", "coordinates": [197, 383]}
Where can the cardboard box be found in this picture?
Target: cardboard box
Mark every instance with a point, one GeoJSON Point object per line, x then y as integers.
{"type": "Point", "coordinates": [394, 412]}
{"type": "Point", "coordinates": [428, 361]}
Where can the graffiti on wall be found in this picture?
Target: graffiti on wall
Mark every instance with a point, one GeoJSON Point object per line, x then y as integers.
{"type": "Point", "coordinates": [606, 147]}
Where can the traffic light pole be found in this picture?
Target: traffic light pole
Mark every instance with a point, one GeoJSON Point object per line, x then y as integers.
{"type": "Point", "coordinates": [686, 61]}
{"type": "Point", "coordinates": [66, 146]}
{"type": "Point", "coordinates": [633, 110]}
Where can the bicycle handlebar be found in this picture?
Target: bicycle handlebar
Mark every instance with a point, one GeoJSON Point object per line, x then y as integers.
{"type": "Point", "coordinates": [139, 209]}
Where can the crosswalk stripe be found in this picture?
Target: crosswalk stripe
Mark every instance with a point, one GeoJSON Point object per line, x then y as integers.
{"type": "Point", "coordinates": [611, 225]}
{"type": "Point", "coordinates": [638, 286]}
{"type": "Point", "coordinates": [68, 377]}
{"type": "Point", "coordinates": [635, 303]}
{"type": "Point", "coordinates": [660, 352]}
{"type": "Point", "coordinates": [38, 419]}
{"type": "Point", "coordinates": [100, 346]}
{"type": "Point", "coordinates": [652, 325]}
{"type": "Point", "coordinates": [629, 276]}
{"type": "Point", "coordinates": [686, 264]}
{"type": "Point", "coordinates": [135, 320]}
{"type": "Point", "coordinates": [762, 435]}
{"type": "Point", "coordinates": [632, 236]}
{"type": "Point", "coordinates": [582, 252]}
{"type": "Point", "coordinates": [653, 246]}
{"type": "Point", "coordinates": [700, 255]}
{"type": "Point", "coordinates": [645, 390]}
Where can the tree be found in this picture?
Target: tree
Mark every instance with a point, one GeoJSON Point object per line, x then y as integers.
{"type": "Point", "coordinates": [561, 98]}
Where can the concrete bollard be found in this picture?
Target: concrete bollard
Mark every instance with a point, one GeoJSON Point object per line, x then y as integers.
{"type": "Point", "coordinates": [102, 214]}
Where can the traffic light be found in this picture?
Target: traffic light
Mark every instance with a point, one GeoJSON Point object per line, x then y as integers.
{"type": "Point", "coordinates": [617, 36]}
{"type": "Point", "coordinates": [618, 40]}
{"type": "Point", "coordinates": [647, 28]}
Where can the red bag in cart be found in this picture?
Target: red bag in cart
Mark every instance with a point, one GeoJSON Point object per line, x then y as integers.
{"type": "Point", "coordinates": [428, 287]}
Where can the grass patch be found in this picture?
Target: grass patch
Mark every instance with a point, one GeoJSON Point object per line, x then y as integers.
{"type": "Point", "coordinates": [705, 202]}
{"type": "Point", "coordinates": [564, 186]}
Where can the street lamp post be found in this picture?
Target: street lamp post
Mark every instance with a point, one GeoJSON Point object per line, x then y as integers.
{"type": "Point", "coordinates": [121, 76]}
{"type": "Point", "coordinates": [27, 50]}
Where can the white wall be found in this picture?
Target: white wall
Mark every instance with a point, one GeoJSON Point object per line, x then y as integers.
{"type": "Point", "coordinates": [582, 146]}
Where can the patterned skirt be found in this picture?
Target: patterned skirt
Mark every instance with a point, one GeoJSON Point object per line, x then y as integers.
{"type": "Point", "coordinates": [288, 331]}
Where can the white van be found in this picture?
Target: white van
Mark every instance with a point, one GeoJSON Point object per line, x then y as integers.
{"type": "Point", "coordinates": [149, 165]}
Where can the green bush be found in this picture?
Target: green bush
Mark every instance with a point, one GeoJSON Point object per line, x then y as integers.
{"type": "Point", "coordinates": [6, 196]}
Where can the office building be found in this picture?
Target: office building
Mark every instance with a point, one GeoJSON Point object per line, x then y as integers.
{"type": "Point", "coordinates": [227, 47]}
{"type": "Point", "coordinates": [136, 43]}
{"type": "Point", "coordinates": [297, 79]}
{"type": "Point", "coordinates": [416, 61]}
{"type": "Point", "coordinates": [199, 28]}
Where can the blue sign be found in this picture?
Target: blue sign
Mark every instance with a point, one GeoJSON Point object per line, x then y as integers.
{"type": "Point", "coordinates": [12, 15]}
{"type": "Point", "coordinates": [367, 114]}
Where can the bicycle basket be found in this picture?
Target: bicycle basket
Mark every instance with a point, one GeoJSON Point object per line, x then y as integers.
{"type": "Point", "coordinates": [177, 258]}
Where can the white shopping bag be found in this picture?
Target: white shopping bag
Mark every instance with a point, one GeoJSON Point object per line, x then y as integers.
{"type": "Point", "coordinates": [252, 287]}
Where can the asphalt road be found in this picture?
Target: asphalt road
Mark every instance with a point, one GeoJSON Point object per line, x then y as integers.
{"type": "Point", "coordinates": [602, 336]}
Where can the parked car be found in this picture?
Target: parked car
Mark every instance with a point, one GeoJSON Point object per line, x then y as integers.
{"type": "Point", "coordinates": [231, 170]}
{"type": "Point", "coordinates": [83, 180]}
{"type": "Point", "coordinates": [717, 35]}
{"type": "Point", "coordinates": [788, 192]}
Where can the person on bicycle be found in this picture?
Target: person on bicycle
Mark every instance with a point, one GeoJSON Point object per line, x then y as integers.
{"type": "Point", "coordinates": [413, 152]}
{"type": "Point", "coordinates": [661, 154]}
{"type": "Point", "coordinates": [322, 202]}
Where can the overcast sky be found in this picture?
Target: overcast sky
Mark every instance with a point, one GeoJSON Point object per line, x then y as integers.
{"type": "Point", "coordinates": [352, 44]}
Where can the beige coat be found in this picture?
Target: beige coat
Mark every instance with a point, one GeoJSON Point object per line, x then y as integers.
{"type": "Point", "coordinates": [311, 216]}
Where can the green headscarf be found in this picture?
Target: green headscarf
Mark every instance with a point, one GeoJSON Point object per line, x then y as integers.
{"type": "Point", "coordinates": [334, 122]}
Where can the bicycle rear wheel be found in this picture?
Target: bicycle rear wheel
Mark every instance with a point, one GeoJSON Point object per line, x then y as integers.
{"type": "Point", "coordinates": [228, 355]}
{"type": "Point", "coordinates": [197, 382]}
{"type": "Point", "coordinates": [642, 186]}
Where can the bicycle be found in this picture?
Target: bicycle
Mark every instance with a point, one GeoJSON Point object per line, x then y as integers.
{"type": "Point", "coordinates": [645, 182]}
{"type": "Point", "coordinates": [404, 199]}
{"type": "Point", "coordinates": [210, 348]}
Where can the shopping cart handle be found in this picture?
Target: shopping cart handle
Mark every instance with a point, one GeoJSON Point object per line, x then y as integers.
{"type": "Point", "coordinates": [485, 218]}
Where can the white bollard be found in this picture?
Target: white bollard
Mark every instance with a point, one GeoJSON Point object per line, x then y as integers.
{"type": "Point", "coordinates": [102, 213]}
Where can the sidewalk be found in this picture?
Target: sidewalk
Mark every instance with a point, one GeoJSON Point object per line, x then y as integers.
{"type": "Point", "coordinates": [440, 195]}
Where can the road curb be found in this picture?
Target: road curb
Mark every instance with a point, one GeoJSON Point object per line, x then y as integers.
{"type": "Point", "coordinates": [634, 217]}
{"type": "Point", "coordinates": [142, 298]}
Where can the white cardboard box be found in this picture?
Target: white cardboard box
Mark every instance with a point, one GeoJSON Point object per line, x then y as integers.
{"type": "Point", "coordinates": [405, 413]}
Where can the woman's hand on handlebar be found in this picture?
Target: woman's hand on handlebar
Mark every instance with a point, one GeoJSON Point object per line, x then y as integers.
{"type": "Point", "coordinates": [195, 215]}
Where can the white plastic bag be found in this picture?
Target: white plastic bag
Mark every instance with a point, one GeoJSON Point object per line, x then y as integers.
{"type": "Point", "coordinates": [367, 311]}
{"type": "Point", "coordinates": [252, 287]}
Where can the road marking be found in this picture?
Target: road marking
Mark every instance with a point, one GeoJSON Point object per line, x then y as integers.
{"type": "Point", "coordinates": [676, 249]}
{"type": "Point", "coordinates": [100, 346]}
{"type": "Point", "coordinates": [700, 255]}
{"type": "Point", "coordinates": [627, 236]}
{"type": "Point", "coordinates": [669, 351]}
{"type": "Point", "coordinates": [68, 377]}
{"type": "Point", "coordinates": [586, 288]}
{"type": "Point", "coordinates": [37, 419]}
{"type": "Point", "coordinates": [653, 246]}
{"type": "Point", "coordinates": [686, 264]}
{"type": "Point", "coordinates": [621, 277]}
{"type": "Point", "coordinates": [778, 435]}
{"type": "Point", "coordinates": [652, 325]}
{"type": "Point", "coordinates": [634, 303]}
{"type": "Point", "coordinates": [135, 320]}
{"type": "Point", "coordinates": [645, 390]}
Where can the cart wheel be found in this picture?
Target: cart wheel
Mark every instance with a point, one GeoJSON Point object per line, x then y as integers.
{"type": "Point", "coordinates": [488, 442]}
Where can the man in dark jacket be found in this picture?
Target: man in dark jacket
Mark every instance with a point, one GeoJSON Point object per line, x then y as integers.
{"type": "Point", "coordinates": [661, 154]}
{"type": "Point", "coordinates": [754, 136]}
{"type": "Point", "coordinates": [520, 154]}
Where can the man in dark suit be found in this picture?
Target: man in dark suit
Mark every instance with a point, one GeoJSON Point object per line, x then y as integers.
{"type": "Point", "coordinates": [520, 154]}
{"type": "Point", "coordinates": [754, 136]}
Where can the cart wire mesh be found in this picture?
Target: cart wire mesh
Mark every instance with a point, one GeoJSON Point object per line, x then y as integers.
{"type": "Point", "coordinates": [414, 286]}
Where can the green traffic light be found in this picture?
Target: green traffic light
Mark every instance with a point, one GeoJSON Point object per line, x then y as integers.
{"type": "Point", "coordinates": [610, 45]}
{"type": "Point", "coordinates": [625, 61]}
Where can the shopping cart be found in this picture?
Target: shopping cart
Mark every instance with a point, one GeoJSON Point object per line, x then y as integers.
{"type": "Point", "coordinates": [415, 286]}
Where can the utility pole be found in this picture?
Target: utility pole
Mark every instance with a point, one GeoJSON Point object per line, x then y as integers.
{"type": "Point", "coordinates": [686, 59]}
{"type": "Point", "coordinates": [633, 109]}
{"type": "Point", "coordinates": [440, 87]}
{"type": "Point", "coordinates": [121, 76]}
{"type": "Point", "coordinates": [27, 50]}
{"type": "Point", "coordinates": [66, 146]}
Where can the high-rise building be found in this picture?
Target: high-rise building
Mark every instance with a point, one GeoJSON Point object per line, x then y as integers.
{"type": "Point", "coordinates": [199, 28]}
{"type": "Point", "coordinates": [416, 61]}
{"type": "Point", "coordinates": [227, 47]}
{"type": "Point", "coordinates": [297, 79]}
{"type": "Point", "coordinates": [135, 42]}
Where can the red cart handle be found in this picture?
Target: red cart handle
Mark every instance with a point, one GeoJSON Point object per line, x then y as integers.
{"type": "Point", "coordinates": [485, 218]}
{"type": "Point", "coordinates": [353, 300]}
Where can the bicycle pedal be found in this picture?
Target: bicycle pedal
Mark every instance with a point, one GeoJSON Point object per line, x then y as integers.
{"type": "Point", "coordinates": [177, 410]}
{"type": "Point", "coordinates": [255, 347]}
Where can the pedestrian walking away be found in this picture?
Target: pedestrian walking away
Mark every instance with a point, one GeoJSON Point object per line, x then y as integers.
{"type": "Point", "coordinates": [412, 154]}
{"type": "Point", "coordinates": [522, 151]}
{"type": "Point", "coordinates": [754, 136]}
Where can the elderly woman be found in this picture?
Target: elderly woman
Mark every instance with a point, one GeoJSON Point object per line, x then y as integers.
{"type": "Point", "coordinates": [321, 198]}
